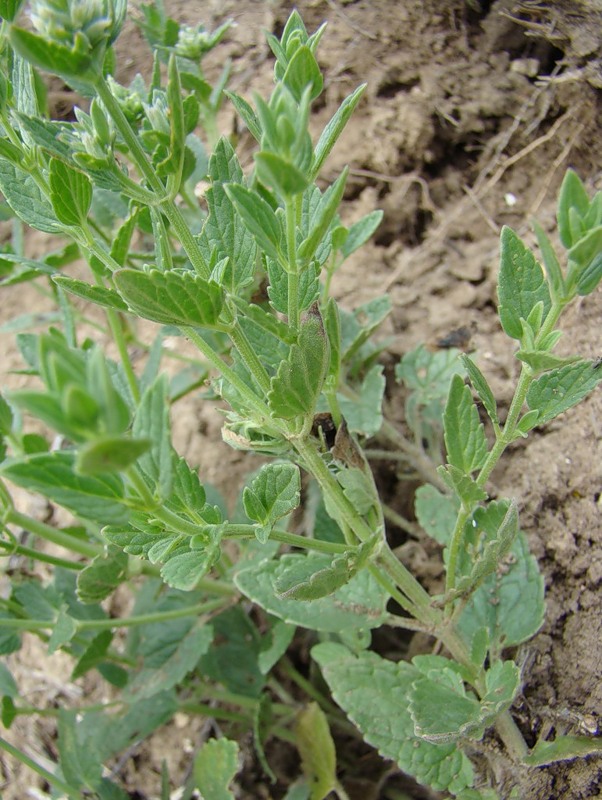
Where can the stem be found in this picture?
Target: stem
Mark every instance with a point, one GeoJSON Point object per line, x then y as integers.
{"type": "Point", "coordinates": [245, 531]}
{"type": "Point", "coordinates": [51, 779]}
{"type": "Point", "coordinates": [167, 206]}
{"type": "Point", "coordinates": [248, 395]}
{"type": "Point", "coordinates": [29, 552]}
{"type": "Point", "coordinates": [249, 356]}
{"type": "Point", "coordinates": [108, 624]}
{"type": "Point", "coordinates": [50, 534]}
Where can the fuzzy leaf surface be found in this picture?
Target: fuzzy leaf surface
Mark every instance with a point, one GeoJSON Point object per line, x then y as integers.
{"type": "Point", "coordinates": [436, 512]}
{"type": "Point", "coordinates": [360, 603]}
{"type": "Point", "coordinates": [53, 475]}
{"type": "Point", "coordinates": [463, 430]}
{"type": "Point", "coordinates": [26, 199]}
{"type": "Point", "coordinates": [522, 284]}
{"type": "Point", "coordinates": [297, 385]}
{"type": "Point", "coordinates": [176, 297]}
{"type": "Point", "coordinates": [316, 747]}
{"type": "Point", "coordinates": [151, 423]}
{"type": "Point", "coordinates": [373, 693]}
{"type": "Point", "coordinates": [273, 494]}
{"type": "Point", "coordinates": [363, 414]}
{"type": "Point", "coordinates": [560, 389]}
{"type": "Point", "coordinates": [70, 193]}
{"type": "Point", "coordinates": [215, 766]}
{"type": "Point", "coordinates": [102, 576]}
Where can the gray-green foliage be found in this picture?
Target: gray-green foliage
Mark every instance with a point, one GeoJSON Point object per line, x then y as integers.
{"type": "Point", "coordinates": [246, 278]}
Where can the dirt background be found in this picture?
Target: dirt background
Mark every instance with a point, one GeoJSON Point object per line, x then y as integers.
{"type": "Point", "coordinates": [473, 112]}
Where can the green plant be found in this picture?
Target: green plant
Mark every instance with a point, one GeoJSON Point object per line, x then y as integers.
{"type": "Point", "coordinates": [303, 386]}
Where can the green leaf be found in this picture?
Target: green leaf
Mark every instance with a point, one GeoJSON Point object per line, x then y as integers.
{"type": "Point", "coordinates": [26, 199]}
{"type": "Point", "coordinates": [541, 361]}
{"type": "Point", "coordinates": [509, 603]}
{"type": "Point", "coordinates": [297, 385]}
{"type": "Point", "coordinates": [572, 195]}
{"type": "Point", "coordinates": [550, 262]}
{"type": "Point", "coordinates": [317, 751]}
{"type": "Point", "coordinates": [521, 285]}
{"type": "Point", "coordinates": [70, 193]}
{"type": "Point", "coordinates": [323, 217]}
{"type": "Point", "coordinates": [8, 686]}
{"type": "Point", "coordinates": [360, 603]}
{"type": "Point", "coordinates": [465, 440]}
{"type": "Point", "coordinates": [63, 631]}
{"type": "Point", "coordinates": [176, 297]}
{"type": "Point", "coordinates": [245, 111]}
{"type": "Point", "coordinates": [10, 8]}
{"type": "Point", "coordinates": [273, 494]}
{"type": "Point", "coordinates": [215, 766]}
{"type": "Point", "coordinates": [360, 232]}
{"type": "Point", "coordinates": [334, 129]}
{"type": "Point", "coordinates": [50, 56]}
{"type": "Point", "coordinates": [436, 512]}
{"type": "Point", "coordinates": [302, 72]}
{"type": "Point", "coordinates": [102, 576]}
{"type": "Point", "coordinates": [95, 294]}
{"type": "Point", "coordinates": [151, 423]}
{"type": "Point", "coordinates": [358, 488]}
{"type": "Point", "coordinates": [370, 689]}
{"type": "Point", "coordinates": [481, 387]}
{"type": "Point", "coordinates": [81, 763]}
{"type": "Point", "coordinates": [258, 217]}
{"type": "Point", "coordinates": [563, 748]}
{"type": "Point", "coordinates": [363, 412]}
{"type": "Point", "coordinates": [6, 417]}
{"type": "Point", "coordinates": [301, 581]}
{"type": "Point", "coordinates": [110, 454]}
{"type": "Point", "coordinates": [274, 645]}
{"type": "Point", "coordinates": [155, 678]}
{"type": "Point", "coordinates": [53, 475]}
{"type": "Point", "coordinates": [590, 277]}
{"type": "Point", "coordinates": [232, 658]}
{"type": "Point", "coordinates": [440, 708]}
{"type": "Point", "coordinates": [309, 287]}
{"type": "Point", "coordinates": [467, 490]}
{"type": "Point", "coordinates": [186, 567]}
{"type": "Point", "coordinates": [222, 232]}
{"type": "Point", "coordinates": [94, 653]}
{"type": "Point", "coordinates": [280, 174]}
{"type": "Point", "coordinates": [560, 389]}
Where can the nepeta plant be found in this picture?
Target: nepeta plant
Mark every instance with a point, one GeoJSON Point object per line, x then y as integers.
{"type": "Point", "coordinates": [247, 281]}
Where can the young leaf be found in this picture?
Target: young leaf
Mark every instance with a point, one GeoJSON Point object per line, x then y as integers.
{"type": "Point", "coordinates": [303, 71]}
{"type": "Point", "coordinates": [273, 494]}
{"type": "Point", "coordinates": [370, 689]}
{"type": "Point", "coordinates": [481, 387]}
{"type": "Point", "coordinates": [221, 233]}
{"type": "Point", "coordinates": [280, 174]}
{"type": "Point", "coordinates": [509, 603]}
{"type": "Point", "coordinates": [334, 129]}
{"type": "Point", "coordinates": [550, 262]}
{"type": "Point", "coordinates": [360, 232]}
{"type": "Point", "coordinates": [187, 566]}
{"type": "Point", "coordinates": [81, 763]}
{"type": "Point", "coordinates": [70, 193]}
{"type": "Point", "coordinates": [177, 297]}
{"type": "Point", "coordinates": [63, 631]}
{"type": "Point", "coordinates": [297, 385]}
{"type": "Point", "coordinates": [572, 196]}
{"type": "Point", "coordinates": [464, 434]}
{"type": "Point", "coordinates": [360, 603]}
{"type": "Point", "coordinates": [215, 766]}
{"type": "Point", "coordinates": [467, 490]}
{"type": "Point", "coordinates": [323, 217]}
{"type": "Point", "coordinates": [562, 388]}
{"type": "Point", "coordinates": [53, 475]}
{"type": "Point", "coordinates": [258, 217]}
{"type": "Point", "coordinates": [110, 454]}
{"type": "Point", "coordinates": [521, 286]}
{"type": "Point", "coordinates": [316, 747]}
{"type": "Point", "coordinates": [245, 111]}
{"type": "Point", "coordinates": [440, 708]}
